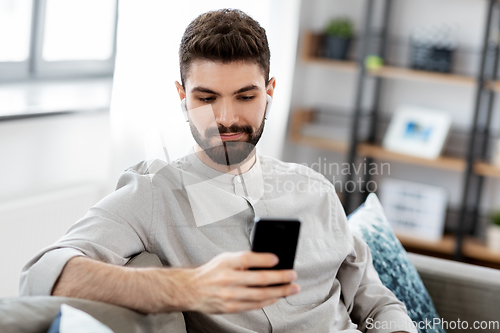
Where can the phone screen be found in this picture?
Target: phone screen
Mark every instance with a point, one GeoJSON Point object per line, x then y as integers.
{"type": "Point", "coordinates": [278, 236]}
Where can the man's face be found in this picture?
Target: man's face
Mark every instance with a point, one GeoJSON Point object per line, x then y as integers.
{"type": "Point", "coordinates": [226, 105]}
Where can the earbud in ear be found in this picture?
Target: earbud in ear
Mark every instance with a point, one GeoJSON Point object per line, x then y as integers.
{"type": "Point", "coordinates": [184, 110]}
{"type": "Point", "coordinates": [268, 107]}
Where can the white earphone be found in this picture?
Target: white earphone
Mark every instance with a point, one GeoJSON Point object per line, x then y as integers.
{"type": "Point", "coordinates": [184, 110]}
{"type": "Point", "coordinates": [268, 107]}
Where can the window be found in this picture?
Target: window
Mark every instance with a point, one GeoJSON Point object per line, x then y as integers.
{"type": "Point", "coordinates": [57, 38]}
{"type": "Point", "coordinates": [15, 25]}
{"type": "Point", "coordinates": [15, 36]}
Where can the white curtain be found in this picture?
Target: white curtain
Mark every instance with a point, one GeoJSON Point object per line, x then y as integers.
{"type": "Point", "coordinates": [145, 107]}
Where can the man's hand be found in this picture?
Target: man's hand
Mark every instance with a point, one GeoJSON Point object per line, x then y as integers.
{"type": "Point", "coordinates": [225, 284]}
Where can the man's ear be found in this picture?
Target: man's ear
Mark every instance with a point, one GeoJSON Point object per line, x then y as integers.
{"type": "Point", "coordinates": [180, 90]}
{"type": "Point", "coordinates": [270, 86]}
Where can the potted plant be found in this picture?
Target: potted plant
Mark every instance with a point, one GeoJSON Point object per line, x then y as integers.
{"type": "Point", "coordinates": [493, 233]}
{"type": "Point", "coordinates": [337, 38]}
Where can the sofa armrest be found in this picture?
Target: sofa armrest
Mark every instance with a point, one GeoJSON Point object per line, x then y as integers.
{"type": "Point", "coordinates": [144, 259]}
{"type": "Point", "coordinates": [460, 291]}
{"type": "Point", "coordinates": [35, 314]}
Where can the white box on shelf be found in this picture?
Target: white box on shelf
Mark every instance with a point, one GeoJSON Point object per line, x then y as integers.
{"type": "Point", "coordinates": [417, 131]}
{"type": "Point", "coordinates": [414, 209]}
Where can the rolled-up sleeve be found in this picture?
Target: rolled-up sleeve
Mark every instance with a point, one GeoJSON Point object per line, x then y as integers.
{"type": "Point", "coordinates": [39, 275]}
{"type": "Point", "coordinates": [112, 231]}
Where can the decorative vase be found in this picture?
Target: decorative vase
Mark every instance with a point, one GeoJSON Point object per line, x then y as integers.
{"type": "Point", "coordinates": [493, 237]}
{"type": "Point", "coordinates": [336, 47]}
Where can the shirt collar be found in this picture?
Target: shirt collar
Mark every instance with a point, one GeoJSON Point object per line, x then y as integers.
{"type": "Point", "coordinates": [249, 184]}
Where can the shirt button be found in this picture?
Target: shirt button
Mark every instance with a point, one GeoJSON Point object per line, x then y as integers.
{"type": "Point", "coordinates": [238, 179]}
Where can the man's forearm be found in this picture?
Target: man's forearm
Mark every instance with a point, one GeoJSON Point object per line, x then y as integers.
{"type": "Point", "coordinates": [148, 290]}
{"type": "Point", "coordinates": [222, 285]}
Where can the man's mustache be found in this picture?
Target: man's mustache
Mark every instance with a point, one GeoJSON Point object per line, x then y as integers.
{"type": "Point", "coordinates": [221, 129]}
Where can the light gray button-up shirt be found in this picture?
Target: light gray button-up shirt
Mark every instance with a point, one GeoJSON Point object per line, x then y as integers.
{"type": "Point", "coordinates": [187, 213]}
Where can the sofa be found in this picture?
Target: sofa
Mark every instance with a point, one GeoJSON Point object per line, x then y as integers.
{"type": "Point", "coordinates": [459, 291]}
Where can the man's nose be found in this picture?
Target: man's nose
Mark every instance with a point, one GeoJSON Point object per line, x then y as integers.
{"type": "Point", "coordinates": [226, 114]}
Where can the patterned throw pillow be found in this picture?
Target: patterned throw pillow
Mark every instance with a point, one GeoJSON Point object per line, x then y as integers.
{"type": "Point", "coordinates": [392, 263]}
{"type": "Point", "coordinates": [72, 320]}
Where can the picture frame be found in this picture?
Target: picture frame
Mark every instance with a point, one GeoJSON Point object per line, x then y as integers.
{"type": "Point", "coordinates": [417, 131]}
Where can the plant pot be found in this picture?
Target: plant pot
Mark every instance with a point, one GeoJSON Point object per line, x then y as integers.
{"type": "Point", "coordinates": [493, 237]}
{"type": "Point", "coordinates": [336, 47]}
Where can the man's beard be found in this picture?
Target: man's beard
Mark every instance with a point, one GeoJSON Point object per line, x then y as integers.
{"type": "Point", "coordinates": [229, 152]}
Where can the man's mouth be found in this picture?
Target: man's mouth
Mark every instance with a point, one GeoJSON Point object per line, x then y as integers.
{"type": "Point", "coordinates": [231, 136]}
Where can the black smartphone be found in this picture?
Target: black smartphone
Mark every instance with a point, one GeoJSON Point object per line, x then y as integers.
{"type": "Point", "coordinates": [279, 236]}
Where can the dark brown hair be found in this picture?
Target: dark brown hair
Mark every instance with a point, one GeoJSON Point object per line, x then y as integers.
{"type": "Point", "coordinates": [224, 35]}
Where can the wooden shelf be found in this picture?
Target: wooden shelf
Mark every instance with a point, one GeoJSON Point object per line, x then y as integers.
{"type": "Point", "coordinates": [302, 116]}
{"type": "Point", "coordinates": [310, 45]}
{"type": "Point", "coordinates": [338, 146]}
{"type": "Point", "coordinates": [305, 116]}
{"type": "Point", "coordinates": [472, 248]}
{"type": "Point", "coordinates": [420, 75]}
{"type": "Point", "coordinates": [475, 249]}
{"type": "Point", "coordinates": [495, 85]}
{"type": "Point", "coordinates": [486, 170]}
{"type": "Point", "coordinates": [309, 55]}
{"type": "Point", "coordinates": [444, 246]}
{"type": "Point", "coordinates": [447, 163]}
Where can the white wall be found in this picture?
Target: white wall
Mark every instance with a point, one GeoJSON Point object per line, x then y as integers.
{"type": "Point", "coordinates": [43, 154]}
{"type": "Point", "coordinates": [40, 156]}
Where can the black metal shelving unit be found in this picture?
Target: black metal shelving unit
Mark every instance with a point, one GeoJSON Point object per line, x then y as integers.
{"type": "Point", "coordinates": [472, 183]}
{"type": "Point", "coordinates": [471, 148]}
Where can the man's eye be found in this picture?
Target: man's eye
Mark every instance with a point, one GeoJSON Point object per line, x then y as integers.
{"type": "Point", "coordinates": [247, 98]}
{"type": "Point", "coordinates": [206, 99]}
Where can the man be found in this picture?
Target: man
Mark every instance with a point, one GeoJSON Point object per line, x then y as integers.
{"type": "Point", "coordinates": [197, 214]}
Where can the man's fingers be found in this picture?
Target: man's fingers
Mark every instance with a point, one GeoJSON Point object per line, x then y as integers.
{"type": "Point", "coordinates": [226, 285]}
{"type": "Point", "coordinates": [259, 294]}
{"type": "Point", "coordinates": [264, 278]}
{"type": "Point", "coordinates": [248, 259]}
